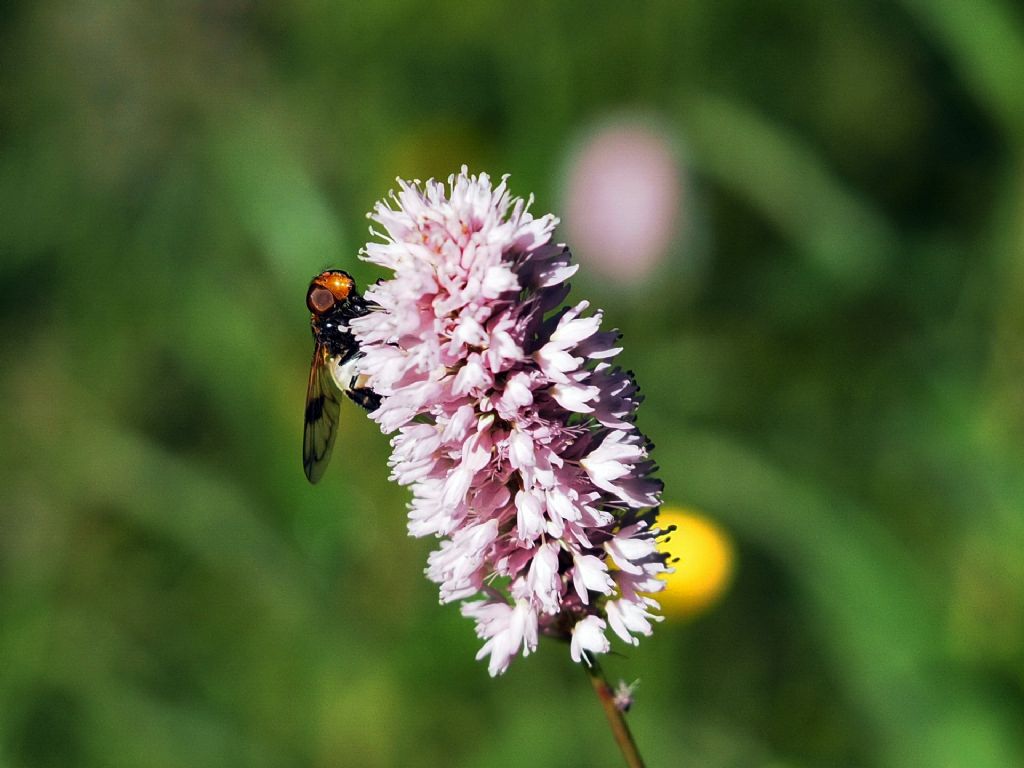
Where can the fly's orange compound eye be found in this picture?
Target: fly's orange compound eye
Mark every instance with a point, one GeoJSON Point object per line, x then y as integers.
{"type": "Point", "coordinates": [319, 299]}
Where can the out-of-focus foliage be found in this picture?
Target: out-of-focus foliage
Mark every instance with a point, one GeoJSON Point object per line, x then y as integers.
{"type": "Point", "coordinates": [832, 353]}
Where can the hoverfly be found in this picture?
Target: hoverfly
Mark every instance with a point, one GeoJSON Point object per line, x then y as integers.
{"type": "Point", "coordinates": [333, 301]}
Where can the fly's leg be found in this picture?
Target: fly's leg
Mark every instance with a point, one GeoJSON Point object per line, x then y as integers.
{"type": "Point", "coordinates": [365, 397]}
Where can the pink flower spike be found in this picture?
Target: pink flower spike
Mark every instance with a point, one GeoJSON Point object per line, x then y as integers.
{"type": "Point", "coordinates": [512, 428]}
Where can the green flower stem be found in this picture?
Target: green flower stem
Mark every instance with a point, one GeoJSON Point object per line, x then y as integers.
{"type": "Point", "coordinates": [616, 718]}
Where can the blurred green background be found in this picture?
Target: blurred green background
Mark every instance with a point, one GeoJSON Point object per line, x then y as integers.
{"type": "Point", "coordinates": [832, 351]}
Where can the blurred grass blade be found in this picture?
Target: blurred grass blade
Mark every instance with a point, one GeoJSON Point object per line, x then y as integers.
{"type": "Point", "coordinates": [985, 39]}
{"type": "Point", "coordinates": [277, 199]}
{"type": "Point", "coordinates": [168, 496]}
{"type": "Point", "coordinates": [836, 231]}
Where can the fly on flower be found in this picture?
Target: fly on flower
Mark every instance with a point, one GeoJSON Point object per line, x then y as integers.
{"type": "Point", "coordinates": [333, 301]}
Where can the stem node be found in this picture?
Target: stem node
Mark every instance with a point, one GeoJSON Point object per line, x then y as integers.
{"type": "Point", "coordinates": [616, 719]}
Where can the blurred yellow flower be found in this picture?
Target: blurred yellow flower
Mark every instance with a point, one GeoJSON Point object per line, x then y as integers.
{"type": "Point", "coordinates": [703, 557]}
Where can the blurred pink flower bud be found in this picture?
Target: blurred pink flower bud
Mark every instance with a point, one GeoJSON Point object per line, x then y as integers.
{"type": "Point", "coordinates": [623, 196]}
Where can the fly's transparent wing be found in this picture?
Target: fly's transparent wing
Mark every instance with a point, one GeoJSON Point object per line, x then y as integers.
{"type": "Point", "coordinates": [323, 402]}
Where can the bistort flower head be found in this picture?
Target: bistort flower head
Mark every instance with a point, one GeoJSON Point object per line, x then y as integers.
{"type": "Point", "coordinates": [514, 430]}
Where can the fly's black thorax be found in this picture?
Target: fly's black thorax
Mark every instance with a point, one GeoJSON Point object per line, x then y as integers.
{"type": "Point", "coordinates": [331, 328]}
